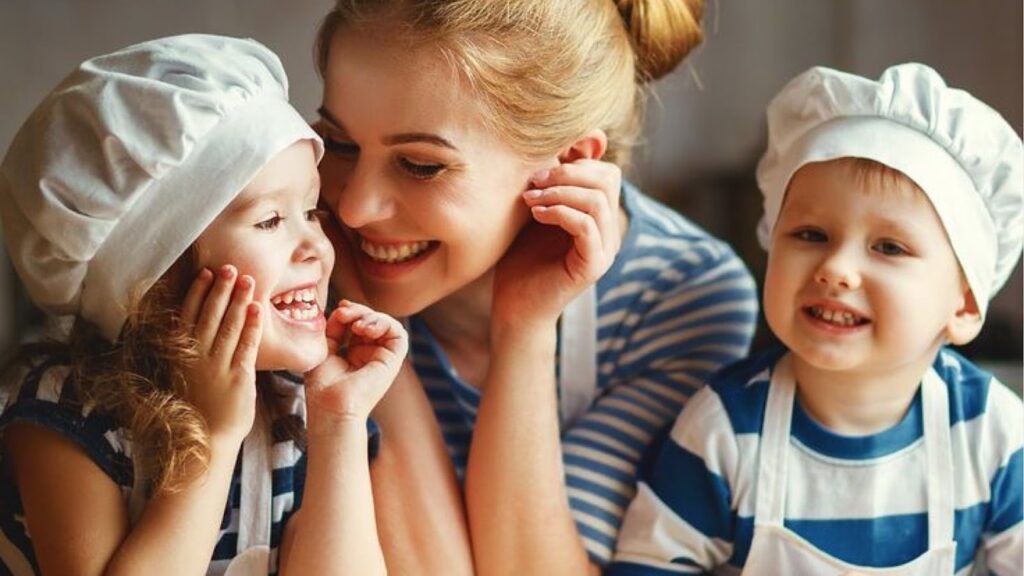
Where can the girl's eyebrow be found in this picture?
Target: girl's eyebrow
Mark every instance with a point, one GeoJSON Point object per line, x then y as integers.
{"type": "Point", "coordinates": [392, 139]}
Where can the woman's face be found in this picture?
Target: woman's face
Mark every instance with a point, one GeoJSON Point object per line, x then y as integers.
{"type": "Point", "coordinates": [430, 198]}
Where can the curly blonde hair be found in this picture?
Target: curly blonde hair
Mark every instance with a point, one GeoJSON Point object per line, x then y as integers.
{"type": "Point", "coordinates": [548, 70]}
{"type": "Point", "coordinates": [140, 380]}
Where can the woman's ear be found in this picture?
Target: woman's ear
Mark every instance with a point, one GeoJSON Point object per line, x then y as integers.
{"type": "Point", "coordinates": [591, 146]}
{"type": "Point", "coordinates": [966, 322]}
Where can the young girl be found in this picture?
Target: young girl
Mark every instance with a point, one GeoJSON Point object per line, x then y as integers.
{"type": "Point", "coordinates": [165, 196]}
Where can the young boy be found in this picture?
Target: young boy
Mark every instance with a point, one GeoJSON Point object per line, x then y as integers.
{"type": "Point", "coordinates": [892, 215]}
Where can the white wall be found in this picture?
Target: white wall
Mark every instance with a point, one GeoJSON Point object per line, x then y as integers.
{"type": "Point", "coordinates": [752, 48]}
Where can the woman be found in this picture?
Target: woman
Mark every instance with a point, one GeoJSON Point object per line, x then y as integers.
{"type": "Point", "coordinates": [473, 160]}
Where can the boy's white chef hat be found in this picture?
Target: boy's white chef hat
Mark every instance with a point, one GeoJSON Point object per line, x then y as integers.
{"type": "Point", "coordinates": [118, 171]}
{"type": "Point", "coordinates": [962, 153]}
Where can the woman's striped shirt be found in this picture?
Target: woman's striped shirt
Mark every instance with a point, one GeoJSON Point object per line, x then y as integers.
{"type": "Point", "coordinates": [675, 306]}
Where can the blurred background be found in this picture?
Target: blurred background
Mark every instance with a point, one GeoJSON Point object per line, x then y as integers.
{"type": "Point", "coordinates": [705, 125]}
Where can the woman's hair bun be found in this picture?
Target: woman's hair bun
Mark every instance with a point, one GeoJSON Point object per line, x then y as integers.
{"type": "Point", "coordinates": [663, 32]}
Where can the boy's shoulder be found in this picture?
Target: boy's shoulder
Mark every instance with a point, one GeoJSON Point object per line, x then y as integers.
{"type": "Point", "coordinates": [742, 389]}
{"type": "Point", "coordinates": [976, 396]}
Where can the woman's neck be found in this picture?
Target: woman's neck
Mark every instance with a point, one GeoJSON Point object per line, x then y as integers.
{"type": "Point", "coordinates": [854, 403]}
{"type": "Point", "coordinates": [461, 324]}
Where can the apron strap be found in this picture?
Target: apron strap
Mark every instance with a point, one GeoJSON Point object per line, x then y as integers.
{"type": "Point", "coordinates": [773, 464]}
{"type": "Point", "coordinates": [254, 517]}
{"type": "Point", "coordinates": [577, 361]}
{"type": "Point", "coordinates": [939, 456]}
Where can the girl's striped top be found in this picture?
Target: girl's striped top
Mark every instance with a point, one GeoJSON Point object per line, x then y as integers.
{"type": "Point", "coordinates": [859, 499]}
{"type": "Point", "coordinates": [675, 306]}
{"type": "Point", "coordinates": [43, 396]}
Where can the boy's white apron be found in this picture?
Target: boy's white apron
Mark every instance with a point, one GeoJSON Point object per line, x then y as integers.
{"type": "Point", "coordinates": [777, 550]}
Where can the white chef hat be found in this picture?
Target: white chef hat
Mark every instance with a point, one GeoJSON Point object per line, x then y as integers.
{"type": "Point", "coordinates": [960, 152]}
{"type": "Point", "coordinates": [118, 171]}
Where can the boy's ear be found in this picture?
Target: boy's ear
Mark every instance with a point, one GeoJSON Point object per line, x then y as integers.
{"type": "Point", "coordinates": [591, 145]}
{"type": "Point", "coordinates": [965, 324]}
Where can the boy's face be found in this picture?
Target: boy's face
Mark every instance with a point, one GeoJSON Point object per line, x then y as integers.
{"type": "Point", "coordinates": [861, 276]}
{"type": "Point", "coordinates": [271, 232]}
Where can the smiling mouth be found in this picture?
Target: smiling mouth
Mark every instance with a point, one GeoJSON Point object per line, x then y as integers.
{"type": "Point", "coordinates": [298, 305]}
{"type": "Point", "coordinates": [395, 253]}
{"type": "Point", "coordinates": [840, 318]}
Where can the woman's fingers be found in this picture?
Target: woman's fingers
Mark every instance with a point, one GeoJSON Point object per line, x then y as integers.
{"type": "Point", "coordinates": [588, 247]}
{"type": "Point", "coordinates": [583, 173]}
{"type": "Point", "coordinates": [214, 307]}
{"type": "Point", "coordinates": [588, 201]}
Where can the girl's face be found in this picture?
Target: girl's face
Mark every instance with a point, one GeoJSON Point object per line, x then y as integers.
{"type": "Point", "coordinates": [429, 197]}
{"type": "Point", "coordinates": [271, 231]}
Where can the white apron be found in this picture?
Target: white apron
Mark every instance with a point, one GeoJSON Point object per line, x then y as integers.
{"type": "Point", "coordinates": [577, 361]}
{"type": "Point", "coordinates": [254, 522]}
{"type": "Point", "coordinates": [777, 550]}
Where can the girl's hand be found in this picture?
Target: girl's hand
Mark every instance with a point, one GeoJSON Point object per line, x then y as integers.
{"type": "Point", "coordinates": [571, 242]}
{"type": "Point", "coordinates": [227, 325]}
{"type": "Point", "coordinates": [372, 346]}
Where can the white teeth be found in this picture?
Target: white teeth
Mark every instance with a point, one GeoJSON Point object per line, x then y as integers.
{"type": "Point", "coordinates": [393, 253]}
{"type": "Point", "coordinates": [837, 317]}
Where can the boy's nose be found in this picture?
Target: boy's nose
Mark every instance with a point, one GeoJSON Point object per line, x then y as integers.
{"type": "Point", "coordinates": [839, 270]}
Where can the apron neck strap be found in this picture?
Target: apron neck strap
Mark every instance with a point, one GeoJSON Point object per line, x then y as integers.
{"type": "Point", "coordinates": [577, 359]}
{"type": "Point", "coordinates": [773, 466]}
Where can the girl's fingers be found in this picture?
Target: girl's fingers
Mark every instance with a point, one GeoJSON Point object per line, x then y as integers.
{"type": "Point", "coordinates": [249, 337]}
{"type": "Point", "coordinates": [234, 318]}
{"type": "Point", "coordinates": [195, 296]}
{"type": "Point", "coordinates": [214, 306]}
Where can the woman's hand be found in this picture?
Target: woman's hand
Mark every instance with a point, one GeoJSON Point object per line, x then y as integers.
{"type": "Point", "coordinates": [227, 325]}
{"type": "Point", "coordinates": [571, 242]}
{"type": "Point", "coordinates": [372, 347]}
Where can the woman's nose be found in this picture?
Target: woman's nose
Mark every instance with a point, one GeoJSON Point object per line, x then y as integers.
{"type": "Point", "coordinates": [362, 197]}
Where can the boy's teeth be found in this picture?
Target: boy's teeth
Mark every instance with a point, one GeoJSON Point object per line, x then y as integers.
{"type": "Point", "coordinates": [394, 253]}
{"type": "Point", "coordinates": [838, 317]}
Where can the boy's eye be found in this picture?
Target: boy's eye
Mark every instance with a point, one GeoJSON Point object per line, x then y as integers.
{"type": "Point", "coordinates": [810, 235]}
{"type": "Point", "coordinates": [420, 171]}
{"type": "Point", "coordinates": [270, 223]}
{"type": "Point", "coordinates": [890, 248]}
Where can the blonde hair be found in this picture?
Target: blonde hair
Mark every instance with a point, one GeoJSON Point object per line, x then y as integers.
{"type": "Point", "coordinates": [140, 381]}
{"type": "Point", "coordinates": [548, 70]}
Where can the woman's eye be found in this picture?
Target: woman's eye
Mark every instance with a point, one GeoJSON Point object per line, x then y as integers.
{"type": "Point", "coordinates": [810, 235]}
{"type": "Point", "coordinates": [420, 171]}
{"type": "Point", "coordinates": [270, 223]}
{"type": "Point", "coordinates": [890, 248]}
{"type": "Point", "coordinates": [317, 215]}
{"type": "Point", "coordinates": [341, 147]}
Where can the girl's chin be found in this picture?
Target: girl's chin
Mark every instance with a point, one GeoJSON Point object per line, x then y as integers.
{"type": "Point", "coordinates": [297, 361]}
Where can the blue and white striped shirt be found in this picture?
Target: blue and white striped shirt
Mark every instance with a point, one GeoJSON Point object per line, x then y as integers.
{"type": "Point", "coordinates": [859, 499]}
{"type": "Point", "coordinates": [675, 306]}
{"type": "Point", "coordinates": [42, 397]}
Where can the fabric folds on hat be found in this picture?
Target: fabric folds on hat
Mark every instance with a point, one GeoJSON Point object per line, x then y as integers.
{"type": "Point", "coordinates": [959, 151]}
{"type": "Point", "coordinates": [118, 171]}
